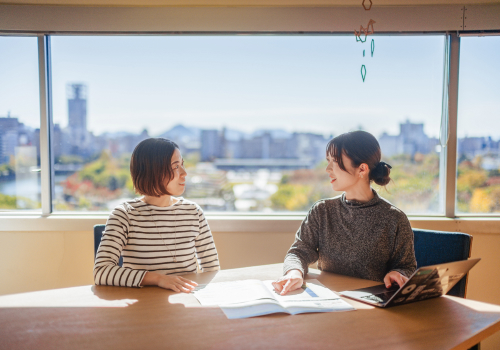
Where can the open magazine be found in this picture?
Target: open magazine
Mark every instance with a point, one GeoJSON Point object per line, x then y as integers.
{"type": "Point", "coordinates": [248, 298]}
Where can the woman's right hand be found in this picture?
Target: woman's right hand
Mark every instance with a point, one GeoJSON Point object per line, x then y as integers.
{"type": "Point", "coordinates": [175, 283]}
{"type": "Point", "coordinates": [291, 281]}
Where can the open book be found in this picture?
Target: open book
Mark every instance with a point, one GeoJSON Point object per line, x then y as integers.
{"type": "Point", "coordinates": [248, 298]}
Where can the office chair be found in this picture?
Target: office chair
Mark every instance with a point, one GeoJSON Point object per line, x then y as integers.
{"type": "Point", "coordinates": [98, 230]}
{"type": "Point", "coordinates": [439, 247]}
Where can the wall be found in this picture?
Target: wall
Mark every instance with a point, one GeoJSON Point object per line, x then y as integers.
{"type": "Point", "coordinates": [46, 260]}
{"type": "Point", "coordinates": [484, 278]}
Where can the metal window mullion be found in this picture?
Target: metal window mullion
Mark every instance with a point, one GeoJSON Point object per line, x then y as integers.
{"type": "Point", "coordinates": [45, 122]}
{"type": "Point", "coordinates": [451, 149]}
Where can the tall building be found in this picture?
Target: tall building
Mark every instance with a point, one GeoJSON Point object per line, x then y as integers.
{"type": "Point", "coordinates": [414, 138]}
{"type": "Point", "coordinates": [470, 147]}
{"type": "Point", "coordinates": [210, 145]}
{"type": "Point", "coordinates": [77, 118]}
{"type": "Point", "coordinates": [272, 149]}
{"type": "Point", "coordinates": [411, 140]}
{"type": "Point", "coordinates": [9, 134]}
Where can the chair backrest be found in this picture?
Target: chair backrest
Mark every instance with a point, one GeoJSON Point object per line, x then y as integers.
{"type": "Point", "coordinates": [98, 230]}
{"type": "Point", "coordinates": [439, 247]}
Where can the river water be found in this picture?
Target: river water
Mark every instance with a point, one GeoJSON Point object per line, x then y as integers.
{"type": "Point", "coordinates": [29, 187]}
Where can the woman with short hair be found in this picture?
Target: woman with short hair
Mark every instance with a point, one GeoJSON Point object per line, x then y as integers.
{"type": "Point", "coordinates": [160, 235]}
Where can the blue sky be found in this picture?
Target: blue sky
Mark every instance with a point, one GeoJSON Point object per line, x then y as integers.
{"type": "Point", "coordinates": [296, 83]}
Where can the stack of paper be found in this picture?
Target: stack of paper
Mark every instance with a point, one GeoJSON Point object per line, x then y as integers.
{"type": "Point", "coordinates": [248, 298]}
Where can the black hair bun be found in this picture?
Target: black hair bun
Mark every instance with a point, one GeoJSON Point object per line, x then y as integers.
{"type": "Point", "coordinates": [380, 174]}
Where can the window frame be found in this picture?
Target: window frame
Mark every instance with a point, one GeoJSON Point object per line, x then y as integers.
{"type": "Point", "coordinates": [187, 21]}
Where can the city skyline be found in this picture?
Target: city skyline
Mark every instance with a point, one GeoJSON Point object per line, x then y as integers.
{"type": "Point", "coordinates": [247, 132]}
{"type": "Point", "coordinates": [91, 171]}
{"type": "Point", "coordinates": [224, 143]}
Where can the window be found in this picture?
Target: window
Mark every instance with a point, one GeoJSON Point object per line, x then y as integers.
{"type": "Point", "coordinates": [19, 124]}
{"type": "Point", "coordinates": [252, 115]}
{"type": "Point", "coordinates": [478, 153]}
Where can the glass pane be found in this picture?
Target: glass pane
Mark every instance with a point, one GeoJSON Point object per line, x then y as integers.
{"type": "Point", "coordinates": [252, 115]}
{"type": "Point", "coordinates": [19, 124]}
{"type": "Point", "coordinates": [478, 172]}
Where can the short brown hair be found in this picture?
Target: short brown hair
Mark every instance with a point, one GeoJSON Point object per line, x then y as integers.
{"type": "Point", "coordinates": [150, 166]}
{"type": "Point", "coordinates": [360, 147]}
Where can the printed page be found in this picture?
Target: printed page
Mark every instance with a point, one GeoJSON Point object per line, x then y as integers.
{"type": "Point", "coordinates": [311, 290]}
{"type": "Point", "coordinates": [312, 297]}
{"type": "Point", "coordinates": [223, 293]}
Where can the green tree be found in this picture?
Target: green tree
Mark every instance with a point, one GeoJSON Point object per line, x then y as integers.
{"type": "Point", "coordinates": [291, 197]}
{"type": "Point", "coordinates": [8, 202]}
{"type": "Point", "coordinates": [106, 172]}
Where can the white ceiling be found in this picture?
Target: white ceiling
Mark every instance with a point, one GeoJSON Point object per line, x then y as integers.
{"type": "Point", "coordinates": [145, 3]}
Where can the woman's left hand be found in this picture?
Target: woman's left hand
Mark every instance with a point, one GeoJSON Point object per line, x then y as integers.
{"type": "Point", "coordinates": [394, 276]}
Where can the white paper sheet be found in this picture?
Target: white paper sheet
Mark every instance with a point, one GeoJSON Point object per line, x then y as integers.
{"type": "Point", "coordinates": [313, 290]}
{"type": "Point", "coordinates": [231, 292]}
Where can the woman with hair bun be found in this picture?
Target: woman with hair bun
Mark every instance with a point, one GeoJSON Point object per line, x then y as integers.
{"type": "Point", "coordinates": [358, 233]}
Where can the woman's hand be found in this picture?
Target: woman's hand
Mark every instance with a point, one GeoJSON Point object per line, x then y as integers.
{"type": "Point", "coordinates": [291, 281]}
{"type": "Point", "coordinates": [394, 276]}
{"type": "Point", "coordinates": [175, 283]}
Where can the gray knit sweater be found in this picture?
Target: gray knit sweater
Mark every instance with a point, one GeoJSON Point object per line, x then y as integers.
{"type": "Point", "coordinates": [364, 240]}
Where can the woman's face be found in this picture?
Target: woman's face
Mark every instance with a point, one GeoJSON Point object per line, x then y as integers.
{"type": "Point", "coordinates": [342, 180]}
{"type": "Point", "coordinates": [177, 184]}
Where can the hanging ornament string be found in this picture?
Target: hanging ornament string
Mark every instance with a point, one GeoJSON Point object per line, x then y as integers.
{"type": "Point", "coordinates": [174, 256]}
{"type": "Point", "coordinates": [367, 5]}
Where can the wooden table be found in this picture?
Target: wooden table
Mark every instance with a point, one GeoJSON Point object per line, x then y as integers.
{"type": "Point", "coordinates": [99, 317]}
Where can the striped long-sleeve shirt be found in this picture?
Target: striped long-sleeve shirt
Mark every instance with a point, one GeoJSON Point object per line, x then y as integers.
{"type": "Point", "coordinates": [150, 238]}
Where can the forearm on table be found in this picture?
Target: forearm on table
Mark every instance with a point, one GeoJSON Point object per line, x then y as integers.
{"type": "Point", "coordinates": [291, 271]}
{"type": "Point", "coordinates": [404, 271]}
{"type": "Point", "coordinates": [114, 275]}
{"type": "Point", "coordinates": [293, 262]}
{"type": "Point", "coordinates": [151, 279]}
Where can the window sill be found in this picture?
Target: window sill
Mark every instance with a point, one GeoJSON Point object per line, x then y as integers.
{"type": "Point", "coordinates": [236, 223]}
